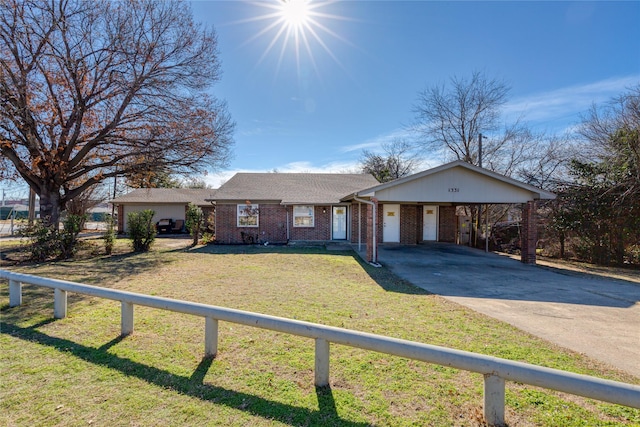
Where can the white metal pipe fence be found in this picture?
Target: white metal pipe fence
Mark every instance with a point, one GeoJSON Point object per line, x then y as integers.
{"type": "Point", "coordinates": [495, 370]}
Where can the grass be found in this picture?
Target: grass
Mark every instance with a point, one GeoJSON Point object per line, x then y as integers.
{"type": "Point", "coordinates": [78, 371]}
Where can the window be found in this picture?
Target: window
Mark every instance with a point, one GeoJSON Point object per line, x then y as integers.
{"type": "Point", "coordinates": [248, 215]}
{"type": "Point", "coordinates": [303, 216]}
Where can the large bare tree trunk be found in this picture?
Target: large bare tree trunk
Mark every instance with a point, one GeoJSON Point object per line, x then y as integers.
{"type": "Point", "coordinates": [32, 206]}
{"type": "Point", "coordinates": [50, 207]}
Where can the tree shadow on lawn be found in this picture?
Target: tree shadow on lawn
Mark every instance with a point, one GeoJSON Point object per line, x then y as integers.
{"type": "Point", "coordinates": [113, 268]}
{"type": "Point", "coordinates": [381, 275]}
{"type": "Point", "coordinates": [105, 271]}
{"type": "Point", "coordinates": [192, 386]}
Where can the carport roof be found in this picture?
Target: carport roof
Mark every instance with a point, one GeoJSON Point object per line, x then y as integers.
{"type": "Point", "coordinates": [455, 182]}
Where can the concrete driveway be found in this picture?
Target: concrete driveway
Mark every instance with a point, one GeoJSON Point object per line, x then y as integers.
{"type": "Point", "coordinates": [597, 316]}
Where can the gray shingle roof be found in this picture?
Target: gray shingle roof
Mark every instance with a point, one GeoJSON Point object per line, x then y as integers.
{"type": "Point", "coordinates": [292, 188]}
{"type": "Point", "coordinates": [167, 195]}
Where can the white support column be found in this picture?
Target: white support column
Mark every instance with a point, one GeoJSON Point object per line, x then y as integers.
{"type": "Point", "coordinates": [493, 400]}
{"type": "Point", "coordinates": [59, 303]}
{"type": "Point", "coordinates": [15, 293]}
{"type": "Point", "coordinates": [322, 363]}
{"type": "Point", "coordinates": [126, 318]}
{"type": "Point", "coordinates": [210, 337]}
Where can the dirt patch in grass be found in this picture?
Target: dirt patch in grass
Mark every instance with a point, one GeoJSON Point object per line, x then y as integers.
{"type": "Point", "coordinates": [82, 372]}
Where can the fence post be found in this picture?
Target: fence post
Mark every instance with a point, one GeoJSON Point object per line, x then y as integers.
{"type": "Point", "coordinates": [210, 337]}
{"type": "Point", "coordinates": [59, 303]}
{"type": "Point", "coordinates": [15, 293]}
{"type": "Point", "coordinates": [322, 363]}
{"type": "Point", "coordinates": [126, 318]}
{"type": "Point", "coordinates": [493, 400]}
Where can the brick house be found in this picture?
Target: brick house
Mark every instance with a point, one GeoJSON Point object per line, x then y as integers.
{"type": "Point", "coordinates": [283, 207]}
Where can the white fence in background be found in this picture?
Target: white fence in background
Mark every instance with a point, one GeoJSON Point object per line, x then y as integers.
{"type": "Point", "coordinates": [495, 370]}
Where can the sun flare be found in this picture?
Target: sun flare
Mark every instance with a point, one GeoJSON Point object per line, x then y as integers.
{"type": "Point", "coordinates": [295, 13]}
{"type": "Point", "coordinates": [297, 25]}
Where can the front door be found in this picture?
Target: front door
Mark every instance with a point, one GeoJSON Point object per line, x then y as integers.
{"type": "Point", "coordinates": [391, 223]}
{"type": "Point", "coordinates": [339, 223]}
{"type": "Point", "coordinates": [430, 223]}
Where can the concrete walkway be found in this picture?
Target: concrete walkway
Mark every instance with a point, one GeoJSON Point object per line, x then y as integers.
{"type": "Point", "coordinates": [597, 316]}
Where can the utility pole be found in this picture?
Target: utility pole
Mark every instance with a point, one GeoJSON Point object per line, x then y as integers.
{"type": "Point", "coordinates": [486, 220]}
{"type": "Point", "coordinates": [115, 186]}
{"type": "Point", "coordinates": [480, 149]}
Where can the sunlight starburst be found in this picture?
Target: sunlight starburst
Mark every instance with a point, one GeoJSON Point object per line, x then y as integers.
{"type": "Point", "coordinates": [296, 25]}
{"type": "Point", "coordinates": [295, 13]}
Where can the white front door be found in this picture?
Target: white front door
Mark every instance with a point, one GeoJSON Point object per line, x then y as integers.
{"type": "Point", "coordinates": [430, 223]}
{"type": "Point", "coordinates": [339, 223]}
{"type": "Point", "coordinates": [391, 223]}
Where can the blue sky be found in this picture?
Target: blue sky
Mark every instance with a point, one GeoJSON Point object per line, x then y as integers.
{"type": "Point", "coordinates": [357, 86]}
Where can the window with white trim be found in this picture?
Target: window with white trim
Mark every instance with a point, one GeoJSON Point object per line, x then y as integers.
{"type": "Point", "coordinates": [303, 216]}
{"type": "Point", "coordinates": [248, 215]}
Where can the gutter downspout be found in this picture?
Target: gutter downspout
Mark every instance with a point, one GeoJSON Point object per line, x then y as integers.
{"type": "Point", "coordinates": [359, 226]}
{"type": "Point", "coordinates": [374, 256]}
{"type": "Point", "coordinates": [286, 208]}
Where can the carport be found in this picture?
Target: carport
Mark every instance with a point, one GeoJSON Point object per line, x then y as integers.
{"type": "Point", "coordinates": [422, 207]}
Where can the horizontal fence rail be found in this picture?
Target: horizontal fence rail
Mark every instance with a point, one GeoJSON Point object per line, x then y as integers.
{"type": "Point", "coordinates": [495, 370]}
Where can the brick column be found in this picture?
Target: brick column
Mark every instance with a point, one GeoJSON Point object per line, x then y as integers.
{"type": "Point", "coordinates": [120, 219]}
{"type": "Point", "coordinates": [369, 231]}
{"type": "Point", "coordinates": [528, 233]}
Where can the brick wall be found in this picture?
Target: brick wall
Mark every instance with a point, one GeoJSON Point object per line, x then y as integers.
{"type": "Point", "coordinates": [226, 230]}
{"type": "Point", "coordinates": [528, 233]}
{"type": "Point", "coordinates": [448, 224]}
{"type": "Point", "coordinates": [321, 229]}
{"type": "Point", "coordinates": [355, 224]}
{"type": "Point", "coordinates": [120, 219]}
{"type": "Point", "coordinates": [409, 224]}
{"type": "Point", "coordinates": [272, 225]}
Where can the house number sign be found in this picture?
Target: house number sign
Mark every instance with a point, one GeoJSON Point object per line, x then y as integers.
{"type": "Point", "coordinates": [454, 190]}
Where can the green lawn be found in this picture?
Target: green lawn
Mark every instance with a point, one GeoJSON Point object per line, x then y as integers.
{"type": "Point", "coordinates": [77, 371]}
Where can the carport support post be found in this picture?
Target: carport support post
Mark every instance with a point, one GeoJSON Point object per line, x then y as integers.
{"type": "Point", "coordinates": [528, 233]}
{"type": "Point", "coordinates": [493, 400]}
{"type": "Point", "coordinates": [370, 233]}
{"type": "Point", "coordinates": [15, 293]}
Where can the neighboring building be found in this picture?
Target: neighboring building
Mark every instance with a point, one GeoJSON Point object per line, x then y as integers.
{"type": "Point", "coordinates": [283, 207]}
{"type": "Point", "coordinates": [167, 203]}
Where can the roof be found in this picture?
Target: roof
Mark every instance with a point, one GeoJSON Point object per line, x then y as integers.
{"type": "Point", "coordinates": [197, 196]}
{"type": "Point", "coordinates": [440, 180]}
{"type": "Point", "coordinates": [292, 188]}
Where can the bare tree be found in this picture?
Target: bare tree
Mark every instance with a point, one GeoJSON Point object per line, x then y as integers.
{"type": "Point", "coordinates": [612, 133]}
{"type": "Point", "coordinates": [87, 200]}
{"type": "Point", "coordinates": [94, 89]}
{"type": "Point", "coordinates": [547, 162]}
{"type": "Point", "coordinates": [452, 118]}
{"type": "Point", "coordinates": [398, 159]}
